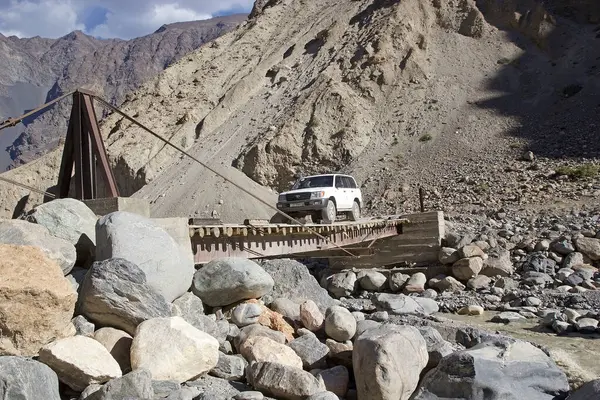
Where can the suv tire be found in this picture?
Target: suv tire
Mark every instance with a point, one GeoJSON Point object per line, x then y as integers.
{"type": "Point", "coordinates": [354, 215]}
{"type": "Point", "coordinates": [329, 213]}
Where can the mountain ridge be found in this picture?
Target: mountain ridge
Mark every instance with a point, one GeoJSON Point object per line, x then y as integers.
{"type": "Point", "coordinates": [111, 67]}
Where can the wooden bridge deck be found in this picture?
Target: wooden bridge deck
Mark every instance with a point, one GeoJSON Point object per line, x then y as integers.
{"type": "Point", "coordinates": [256, 239]}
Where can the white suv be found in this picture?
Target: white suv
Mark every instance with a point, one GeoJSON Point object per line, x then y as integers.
{"type": "Point", "coordinates": [322, 197]}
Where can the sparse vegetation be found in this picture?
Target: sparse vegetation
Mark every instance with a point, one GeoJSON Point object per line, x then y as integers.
{"type": "Point", "coordinates": [580, 171]}
{"type": "Point", "coordinates": [425, 138]}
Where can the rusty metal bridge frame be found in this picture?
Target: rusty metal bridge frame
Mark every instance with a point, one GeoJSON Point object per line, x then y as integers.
{"type": "Point", "coordinates": [401, 239]}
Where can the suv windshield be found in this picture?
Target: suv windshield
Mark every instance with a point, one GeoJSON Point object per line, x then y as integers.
{"type": "Point", "coordinates": [314, 182]}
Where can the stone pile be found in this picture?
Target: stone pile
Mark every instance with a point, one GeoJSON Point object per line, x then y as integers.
{"type": "Point", "coordinates": [135, 319]}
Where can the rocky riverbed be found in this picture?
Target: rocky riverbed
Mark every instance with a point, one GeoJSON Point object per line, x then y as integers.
{"type": "Point", "coordinates": [113, 308]}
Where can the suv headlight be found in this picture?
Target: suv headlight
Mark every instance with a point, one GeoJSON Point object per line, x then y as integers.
{"type": "Point", "coordinates": [281, 198]}
{"type": "Point", "coordinates": [317, 195]}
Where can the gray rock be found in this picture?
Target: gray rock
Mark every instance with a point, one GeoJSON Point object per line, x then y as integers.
{"type": "Point", "coordinates": [563, 247]}
{"type": "Point", "coordinates": [448, 255]}
{"type": "Point", "coordinates": [371, 280]}
{"type": "Point", "coordinates": [246, 314]}
{"type": "Point", "coordinates": [589, 391]}
{"type": "Point", "coordinates": [380, 316]}
{"type": "Point", "coordinates": [293, 281]}
{"type": "Point", "coordinates": [71, 220]}
{"type": "Point", "coordinates": [189, 393]}
{"type": "Point", "coordinates": [323, 396]}
{"type": "Point", "coordinates": [498, 263]}
{"type": "Point", "coordinates": [340, 325]}
{"type": "Point", "coordinates": [429, 294]}
{"type": "Point", "coordinates": [336, 379]}
{"type": "Point", "coordinates": [342, 284]}
{"type": "Point", "coordinates": [397, 281]}
{"type": "Point", "coordinates": [250, 395]}
{"type": "Point", "coordinates": [189, 304]}
{"type": "Point", "coordinates": [466, 268]}
{"type": "Point", "coordinates": [533, 302]}
{"type": "Point", "coordinates": [400, 351]}
{"type": "Point", "coordinates": [163, 388]}
{"type": "Point", "coordinates": [340, 353]}
{"type": "Point", "coordinates": [83, 326]}
{"type": "Point", "coordinates": [286, 307]}
{"type": "Point", "coordinates": [189, 307]}
{"type": "Point", "coordinates": [479, 282]}
{"type": "Point", "coordinates": [586, 325]}
{"type": "Point", "coordinates": [561, 327]}
{"type": "Point", "coordinates": [26, 379]}
{"type": "Point", "coordinates": [115, 293]}
{"type": "Point", "coordinates": [169, 270]}
{"type": "Point", "coordinates": [216, 388]}
{"type": "Point", "coordinates": [471, 250]}
{"type": "Point", "coordinates": [257, 330]}
{"type": "Point", "coordinates": [446, 283]}
{"type": "Point", "coordinates": [537, 262]}
{"type": "Point", "coordinates": [230, 367]}
{"type": "Point", "coordinates": [590, 247]}
{"type": "Point", "coordinates": [397, 304]}
{"type": "Point", "coordinates": [283, 381]}
{"type": "Point", "coordinates": [23, 233]}
{"type": "Point", "coordinates": [507, 317]}
{"type": "Point", "coordinates": [416, 283]}
{"type": "Point", "coordinates": [229, 280]}
{"type": "Point", "coordinates": [511, 371]}
{"type": "Point", "coordinates": [437, 347]}
{"type": "Point", "coordinates": [429, 306]}
{"type": "Point", "coordinates": [573, 259]}
{"type": "Point", "coordinates": [136, 384]}
{"type": "Point", "coordinates": [312, 352]}
{"type": "Point", "coordinates": [533, 278]}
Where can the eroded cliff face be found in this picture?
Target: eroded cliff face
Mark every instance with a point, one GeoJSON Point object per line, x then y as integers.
{"type": "Point", "coordinates": [398, 93]}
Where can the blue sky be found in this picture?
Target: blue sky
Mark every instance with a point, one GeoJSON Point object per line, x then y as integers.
{"type": "Point", "coordinates": [124, 19]}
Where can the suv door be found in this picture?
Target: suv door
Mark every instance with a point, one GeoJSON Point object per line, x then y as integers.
{"type": "Point", "coordinates": [354, 190]}
{"type": "Point", "coordinates": [341, 193]}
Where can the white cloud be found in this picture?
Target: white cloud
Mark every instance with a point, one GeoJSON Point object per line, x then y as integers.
{"type": "Point", "coordinates": [50, 18]}
{"type": "Point", "coordinates": [125, 18]}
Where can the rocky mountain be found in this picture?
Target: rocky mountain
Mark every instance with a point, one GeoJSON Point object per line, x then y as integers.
{"type": "Point", "coordinates": [36, 70]}
{"type": "Point", "coordinates": [443, 95]}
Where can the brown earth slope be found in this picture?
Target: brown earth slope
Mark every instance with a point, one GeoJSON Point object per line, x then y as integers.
{"type": "Point", "coordinates": [443, 94]}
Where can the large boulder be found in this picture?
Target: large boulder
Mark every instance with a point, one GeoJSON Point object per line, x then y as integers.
{"type": "Point", "coordinates": [26, 379]}
{"type": "Point", "coordinates": [134, 385]}
{"type": "Point", "coordinates": [169, 270]}
{"type": "Point", "coordinates": [37, 301]}
{"type": "Point", "coordinates": [115, 293]}
{"type": "Point", "coordinates": [397, 304]}
{"type": "Point", "coordinates": [293, 281]}
{"type": "Point", "coordinates": [23, 233]}
{"type": "Point", "coordinates": [283, 381]}
{"type": "Point", "coordinates": [502, 369]}
{"type": "Point", "coordinates": [71, 220]}
{"type": "Point", "coordinates": [229, 280]}
{"type": "Point", "coordinates": [387, 362]}
{"type": "Point", "coordinates": [172, 349]}
{"type": "Point", "coordinates": [80, 361]}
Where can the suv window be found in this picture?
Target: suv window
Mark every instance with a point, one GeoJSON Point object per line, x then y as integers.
{"type": "Point", "coordinates": [315, 181]}
{"type": "Point", "coordinates": [351, 182]}
{"type": "Point", "coordinates": [340, 182]}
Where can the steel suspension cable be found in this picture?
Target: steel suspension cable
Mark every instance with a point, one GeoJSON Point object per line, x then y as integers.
{"type": "Point", "coordinates": [27, 187]}
{"type": "Point", "coordinates": [10, 122]}
{"type": "Point", "coordinates": [182, 151]}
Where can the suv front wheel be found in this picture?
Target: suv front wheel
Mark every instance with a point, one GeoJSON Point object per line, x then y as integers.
{"type": "Point", "coordinates": [329, 212]}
